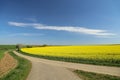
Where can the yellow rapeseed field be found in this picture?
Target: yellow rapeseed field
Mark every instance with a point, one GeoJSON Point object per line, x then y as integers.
{"type": "Point", "coordinates": [98, 52]}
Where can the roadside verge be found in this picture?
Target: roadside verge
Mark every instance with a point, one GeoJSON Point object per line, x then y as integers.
{"type": "Point", "coordinates": [21, 71]}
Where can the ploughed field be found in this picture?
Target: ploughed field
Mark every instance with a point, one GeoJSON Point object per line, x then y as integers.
{"type": "Point", "coordinates": [96, 54]}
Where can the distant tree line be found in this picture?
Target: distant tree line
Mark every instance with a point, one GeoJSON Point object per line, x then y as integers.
{"type": "Point", "coordinates": [19, 46]}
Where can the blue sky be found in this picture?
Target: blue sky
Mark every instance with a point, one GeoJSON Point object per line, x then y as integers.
{"type": "Point", "coordinates": [61, 22]}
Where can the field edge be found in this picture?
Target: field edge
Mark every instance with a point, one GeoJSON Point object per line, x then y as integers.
{"type": "Point", "coordinates": [94, 76]}
{"type": "Point", "coordinates": [74, 60]}
{"type": "Point", "coordinates": [21, 71]}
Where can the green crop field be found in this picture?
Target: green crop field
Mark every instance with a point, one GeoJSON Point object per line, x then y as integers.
{"type": "Point", "coordinates": [7, 47]}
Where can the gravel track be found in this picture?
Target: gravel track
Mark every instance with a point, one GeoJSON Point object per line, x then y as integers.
{"type": "Point", "coordinates": [58, 70]}
{"type": "Point", "coordinates": [43, 71]}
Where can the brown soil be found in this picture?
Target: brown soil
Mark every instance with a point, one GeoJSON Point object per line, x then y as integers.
{"type": "Point", "coordinates": [6, 64]}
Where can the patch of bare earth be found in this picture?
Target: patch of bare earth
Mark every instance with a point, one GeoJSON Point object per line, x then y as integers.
{"type": "Point", "coordinates": [7, 63]}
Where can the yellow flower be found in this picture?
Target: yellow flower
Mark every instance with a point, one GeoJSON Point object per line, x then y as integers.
{"type": "Point", "coordinates": [87, 52]}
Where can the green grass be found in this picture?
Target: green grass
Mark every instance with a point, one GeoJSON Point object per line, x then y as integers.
{"type": "Point", "coordinates": [78, 60]}
{"type": "Point", "coordinates": [1, 53]}
{"type": "Point", "coordinates": [4, 48]}
{"type": "Point", "coordinates": [95, 76]}
{"type": "Point", "coordinates": [21, 71]}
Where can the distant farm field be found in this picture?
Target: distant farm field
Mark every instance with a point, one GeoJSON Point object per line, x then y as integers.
{"type": "Point", "coordinates": [107, 54]}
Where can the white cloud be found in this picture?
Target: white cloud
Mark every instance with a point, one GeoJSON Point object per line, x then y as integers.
{"type": "Point", "coordinates": [23, 24]}
{"type": "Point", "coordinates": [83, 30]}
{"type": "Point", "coordinates": [78, 30]}
{"type": "Point", "coordinates": [17, 24]}
{"type": "Point", "coordinates": [26, 34]}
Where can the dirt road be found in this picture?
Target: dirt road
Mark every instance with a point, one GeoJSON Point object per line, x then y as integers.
{"type": "Point", "coordinates": [43, 71]}
{"type": "Point", "coordinates": [51, 64]}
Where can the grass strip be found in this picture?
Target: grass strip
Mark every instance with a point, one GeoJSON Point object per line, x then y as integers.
{"type": "Point", "coordinates": [95, 76]}
{"type": "Point", "coordinates": [77, 60]}
{"type": "Point", "coordinates": [1, 53]}
{"type": "Point", "coordinates": [4, 48]}
{"type": "Point", "coordinates": [21, 71]}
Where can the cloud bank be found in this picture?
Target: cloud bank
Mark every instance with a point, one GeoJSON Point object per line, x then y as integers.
{"type": "Point", "coordinates": [83, 30]}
